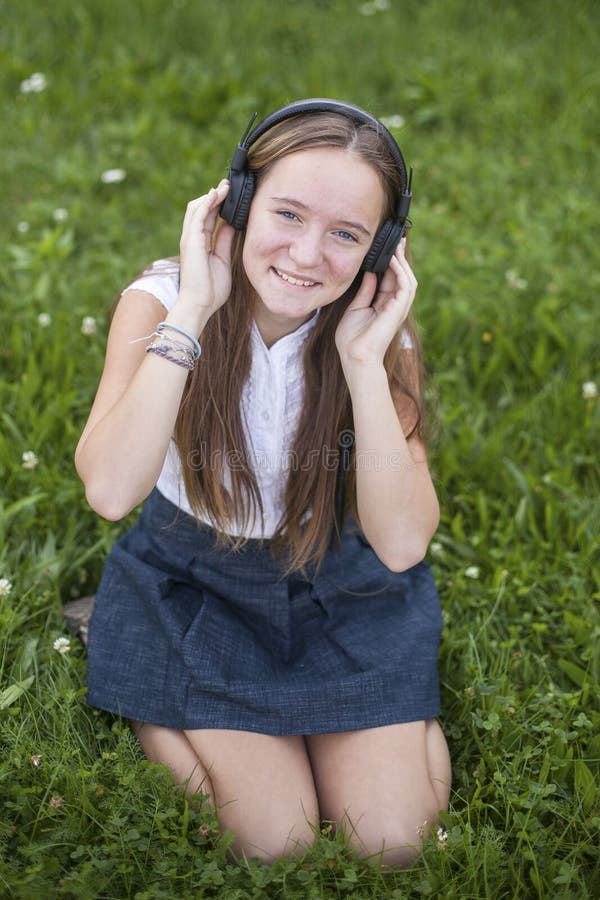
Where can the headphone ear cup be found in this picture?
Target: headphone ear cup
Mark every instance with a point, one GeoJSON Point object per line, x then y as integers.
{"type": "Point", "coordinates": [383, 247]}
{"type": "Point", "coordinates": [235, 209]}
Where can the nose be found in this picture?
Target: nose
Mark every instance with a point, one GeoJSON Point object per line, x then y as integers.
{"type": "Point", "coordinates": [306, 250]}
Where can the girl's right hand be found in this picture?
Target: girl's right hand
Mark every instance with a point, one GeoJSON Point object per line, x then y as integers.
{"type": "Point", "coordinates": [205, 275]}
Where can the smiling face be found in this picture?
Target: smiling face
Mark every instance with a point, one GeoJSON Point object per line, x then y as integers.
{"type": "Point", "coordinates": [312, 220]}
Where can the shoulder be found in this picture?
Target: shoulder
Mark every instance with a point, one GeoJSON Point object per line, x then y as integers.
{"type": "Point", "coordinates": [161, 279]}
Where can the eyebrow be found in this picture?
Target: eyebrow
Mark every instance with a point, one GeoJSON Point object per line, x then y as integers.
{"type": "Point", "coordinates": [355, 225]}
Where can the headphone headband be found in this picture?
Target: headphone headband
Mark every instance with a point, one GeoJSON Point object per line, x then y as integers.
{"type": "Point", "coordinates": [322, 104]}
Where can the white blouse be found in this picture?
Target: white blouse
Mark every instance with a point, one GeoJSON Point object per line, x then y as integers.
{"type": "Point", "coordinates": [272, 400]}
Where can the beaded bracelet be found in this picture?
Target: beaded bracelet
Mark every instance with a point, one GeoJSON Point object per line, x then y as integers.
{"type": "Point", "coordinates": [185, 349]}
{"type": "Point", "coordinates": [193, 341]}
{"type": "Point", "coordinates": [182, 351]}
{"type": "Point", "coordinates": [164, 350]}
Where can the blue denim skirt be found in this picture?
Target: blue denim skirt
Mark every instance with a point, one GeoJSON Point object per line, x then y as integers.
{"type": "Point", "coordinates": [190, 636]}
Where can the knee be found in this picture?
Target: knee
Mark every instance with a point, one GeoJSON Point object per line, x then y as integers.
{"type": "Point", "coordinates": [272, 845]}
{"type": "Point", "coordinates": [394, 846]}
{"type": "Point", "coordinates": [395, 843]}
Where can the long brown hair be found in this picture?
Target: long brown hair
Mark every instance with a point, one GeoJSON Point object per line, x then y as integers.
{"type": "Point", "coordinates": [209, 430]}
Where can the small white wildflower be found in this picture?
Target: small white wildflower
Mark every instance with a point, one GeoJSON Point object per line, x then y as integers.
{"type": "Point", "coordinates": [29, 460]}
{"type": "Point", "coordinates": [88, 326]}
{"type": "Point", "coordinates": [442, 837]}
{"type": "Point", "coordinates": [436, 547]}
{"type": "Point", "coordinates": [113, 176]}
{"type": "Point", "coordinates": [5, 587]}
{"type": "Point", "coordinates": [60, 214]}
{"type": "Point", "coordinates": [36, 760]}
{"type": "Point", "coordinates": [369, 9]}
{"type": "Point", "coordinates": [393, 121]}
{"type": "Point", "coordinates": [34, 84]}
{"type": "Point", "coordinates": [472, 572]}
{"type": "Point", "coordinates": [514, 280]}
{"type": "Point", "coordinates": [44, 319]}
{"type": "Point", "coordinates": [62, 644]}
{"type": "Point", "coordinates": [589, 390]}
{"type": "Point", "coordinates": [23, 227]}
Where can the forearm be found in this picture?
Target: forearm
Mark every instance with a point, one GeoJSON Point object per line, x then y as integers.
{"type": "Point", "coordinates": [397, 504]}
{"type": "Point", "coordinates": [120, 457]}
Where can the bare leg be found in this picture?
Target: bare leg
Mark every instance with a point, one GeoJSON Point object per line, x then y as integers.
{"type": "Point", "coordinates": [438, 763]}
{"type": "Point", "coordinates": [385, 786]}
{"type": "Point", "coordinates": [263, 788]}
{"type": "Point", "coordinates": [171, 748]}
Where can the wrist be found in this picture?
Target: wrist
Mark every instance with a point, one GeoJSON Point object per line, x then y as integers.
{"type": "Point", "coordinates": [191, 318]}
{"type": "Point", "coordinates": [364, 374]}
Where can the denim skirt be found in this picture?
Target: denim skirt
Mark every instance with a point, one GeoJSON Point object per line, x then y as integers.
{"type": "Point", "coordinates": [190, 636]}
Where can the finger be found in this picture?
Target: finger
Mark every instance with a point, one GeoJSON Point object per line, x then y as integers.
{"type": "Point", "coordinates": [400, 256]}
{"type": "Point", "coordinates": [215, 199]}
{"type": "Point", "coordinates": [401, 247]}
{"type": "Point", "coordinates": [404, 275]}
{"type": "Point", "coordinates": [388, 282]}
{"type": "Point", "coordinates": [200, 207]}
{"type": "Point", "coordinates": [223, 242]}
{"type": "Point", "coordinates": [365, 293]}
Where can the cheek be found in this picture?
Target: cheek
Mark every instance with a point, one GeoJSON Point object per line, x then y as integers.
{"type": "Point", "coordinates": [345, 269]}
{"type": "Point", "coordinates": [259, 242]}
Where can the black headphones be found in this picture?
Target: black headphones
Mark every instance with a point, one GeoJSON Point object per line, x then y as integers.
{"type": "Point", "coordinates": [236, 206]}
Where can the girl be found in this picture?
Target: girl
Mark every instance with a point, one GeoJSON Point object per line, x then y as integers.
{"type": "Point", "coordinates": [277, 656]}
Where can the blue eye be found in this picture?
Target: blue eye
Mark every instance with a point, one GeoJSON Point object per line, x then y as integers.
{"type": "Point", "coordinates": [287, 214]}
{"type": "Point", "coordinates": [346, 236]}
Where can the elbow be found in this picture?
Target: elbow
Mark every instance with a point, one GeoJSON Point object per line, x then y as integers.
{"type": "Point", "coordinates": [107, 504]}
{"type": "Point", "coordinates": [106, 501]}
{"type": "Point", "coordinates": [401, 552]}
{"type": "Point", "coordinates": [104, 495]}
{"type": "Point", "coordinates": [402, 542]}
{"type": "Point", "coordinates": [402, 558]}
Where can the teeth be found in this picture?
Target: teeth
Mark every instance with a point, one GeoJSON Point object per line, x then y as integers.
{"type": "Point", "coordinates": [294, 280]}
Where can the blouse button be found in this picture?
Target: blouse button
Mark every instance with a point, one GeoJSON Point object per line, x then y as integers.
{"type": "Point", "coordinates": [265, 415]}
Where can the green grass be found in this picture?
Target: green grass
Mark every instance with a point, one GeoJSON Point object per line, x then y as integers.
{"type": "Point", "coordinates": [500, 108]}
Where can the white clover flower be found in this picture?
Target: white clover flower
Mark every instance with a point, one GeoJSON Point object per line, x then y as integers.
{"type": "Point", "coordinates": [113, 176]}
{"type": "Point", "coordinates": [396, 121]}
{"type": "Point", "coordinates": [5, 587]}
{"type": "Point", "coordinates": [436, 547]}
{"type": "Point", "coordinates": [472, 572]}
{"type": "Point", "coordinates": [62, 644]}
{"type": "Point", "coordinates": [369, 9]}
{"type": "Point", "coordinates": [60, 214]}
{"type": "Point", "coordinates": [88, 325]}
{"type": "Point", "coordinates": [36, 760]}
{"type": "Point", "coordinates": [29, 460]}
{"type": "Point", "coordinates": [34, 84]}
{"type": "Point", "coordinates": [44, 319]}
{"type": "Point", "coordinates": [442, 837]}
{"type": "Point", "coordinates": [23, 227]}
{"type": "Point", "coordinates": [514, 280]}
{"type": "Point", "coordinates": [589, 390]}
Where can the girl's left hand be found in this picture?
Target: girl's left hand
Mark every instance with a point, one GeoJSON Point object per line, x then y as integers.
{"type": "Point", "coordinates": [365, 331]}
